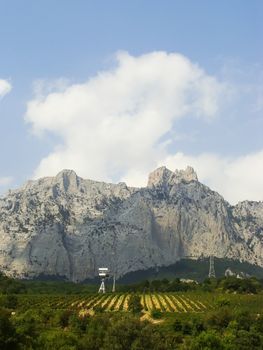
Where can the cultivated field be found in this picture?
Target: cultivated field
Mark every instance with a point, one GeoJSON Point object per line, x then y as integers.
{"type": "Point", "coordinates": [164, 302]}
{"type": "Point", "coordinates": [191, 302]}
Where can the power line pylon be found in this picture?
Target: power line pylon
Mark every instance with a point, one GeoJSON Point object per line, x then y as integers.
{"type": "Point", "coordinates": [212, 272]}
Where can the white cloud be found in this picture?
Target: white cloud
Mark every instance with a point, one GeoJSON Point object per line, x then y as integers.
{"type": "Point", "coordinates": [6, 181]}
{"type": "Point", "coordinates": [118, 123]}
{"type": "Point", "coordinates": [5, 87]}
{"type": "Point", "coordinates": [236, 179]}
{"type": "Point", "coordinates": [44, 87]}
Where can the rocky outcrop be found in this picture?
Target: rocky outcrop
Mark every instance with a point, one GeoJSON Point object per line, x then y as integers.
{"type": "Point", "coordinates": [163, 177]}
{"type": "Point", "coordinates": [67, 226]}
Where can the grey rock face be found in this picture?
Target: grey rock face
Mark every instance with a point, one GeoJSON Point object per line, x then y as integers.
{"type": "Point", "coordinates": [68, 226]}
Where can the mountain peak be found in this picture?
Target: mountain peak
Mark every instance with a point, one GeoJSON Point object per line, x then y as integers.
{"type": "Point", "coordinates": [68, 179]}
{"type": "Point", "coordinates": [66, 172]}
{"type": "Point", "coordinates": [163, 176]}
{"type": "Point", "coordinates": [186, 175]}
{"type": "Point", "coordinates": [160, 177]}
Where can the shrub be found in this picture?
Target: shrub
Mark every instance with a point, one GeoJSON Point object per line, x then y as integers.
{"type": "Point", "coordinates": [57, 340]}
{"type": "Point", "coordinates": [247, 340]}
{"type": "Point", "coordinates": [9, 301]}
{"type": "Point", "coordinates": [222, 302]}
{"type": "Point", "coordinates": [207, 340]}
{"type": "Point", "coordinates": [156, 314]}
{"type": "Point", "coordinates": [8, 336]}
{"type": "Point", "coordinates": [177, 326]}
{"type": "Point", "coordinates": [187, 328]}
{"type": "Point", "coordinates": [219, 319]}
{"type": "Point", "coordinates": [244, 320]}
{"type": "Point", "coordinates": [98, 308]}
{"type": "Point", "coordinates": [122, 333]}
{"type": "Point", "coordinates": [78, 324]}
{"type": "Point", "coordinates": [134, 304]}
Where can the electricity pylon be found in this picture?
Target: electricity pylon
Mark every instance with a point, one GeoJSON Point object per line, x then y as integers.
{"type": "Point", "coordinates": [212, 272]}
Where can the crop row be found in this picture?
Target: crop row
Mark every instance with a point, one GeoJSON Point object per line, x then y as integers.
{"type": "Point", "coordinates": [164, 302]}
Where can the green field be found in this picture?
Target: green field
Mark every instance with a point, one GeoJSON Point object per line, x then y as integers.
{"type": "Point", "coordinates": [189, 302]}
{"type": "Point", "coordinates": [217, 314]}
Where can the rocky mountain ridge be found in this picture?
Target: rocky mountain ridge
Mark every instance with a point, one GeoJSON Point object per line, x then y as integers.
{"type": "Point", "coordinates": [67, 226]}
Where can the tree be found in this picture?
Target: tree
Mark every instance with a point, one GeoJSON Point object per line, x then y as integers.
{"type": "Point", "coordinates": [57, 340]}
{"type": "Point", "coordinates": [28, 327]}
{"type": "Point", "coordinates": [219, 319]}
{"type": "Point", "coordinates": [122, 333]}
{"type": "Point", "coordinates": [9, 301]}
{"type": "Point", "coordinates": [134, 304]}
{"type": "Point", "coordinates": [244, 320]}
{"type": "Point", "coordinates": [207, 341]}
{"type": "Point", "coordinates": [8, 336]}
{"type": "Point", "coordinates": [247, 340]}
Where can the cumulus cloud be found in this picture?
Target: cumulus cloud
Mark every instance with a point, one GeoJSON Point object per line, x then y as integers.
{"type": "Point", "coordinates": [119, 125]}
{"type": "Point", "coordinates": [5, 87]}
{"type": "Point", "coordinates": [118, 122]}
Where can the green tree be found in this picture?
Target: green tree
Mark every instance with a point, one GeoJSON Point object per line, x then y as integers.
{"type": "Point", "coordinates": [207, 341]}
{"type": "Point", "coordinates": [157, 314]}
{"type": "Point", "coordinates": [8, 335]}
{"type": "Point", "coordinates": [96, 331]}
{"type": "Point", "coordinates": [244, 320]}
{"type": "Point", "coordinates": [122, 333]}
{"type": "Point", "coordinates": [134, 304]}
{"type": "Point", "coordinates": [62, 317]}
{"type": "Point", "coordinates": [248, 340]}
{"type": "Point", "coordinates": [28, 326]}
{"type": "Point", "coordinates": [78, 324]}
{"type": "Point", "coordinates": [57, 340]}
{"type": "Point", "coordinates": [9, 301]}
{"type": "Point", "coordinates": [219, 319]}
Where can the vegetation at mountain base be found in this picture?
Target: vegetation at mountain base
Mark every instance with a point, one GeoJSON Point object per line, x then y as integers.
{"type": "Point", "coordinates": [196, 269]}
{"type": "Point", "coordinates": [49, 328]}
{"type": "Point", "coordinates": [226, 284]}
{"type": "Point", "coordinates": [224, 313]}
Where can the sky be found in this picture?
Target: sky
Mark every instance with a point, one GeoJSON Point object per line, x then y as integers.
{"type": "Point", "coordinates": [114, 89]}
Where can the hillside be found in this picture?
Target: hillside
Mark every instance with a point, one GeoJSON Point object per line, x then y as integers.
{"type": "Point", "coordinates": [193, 269]}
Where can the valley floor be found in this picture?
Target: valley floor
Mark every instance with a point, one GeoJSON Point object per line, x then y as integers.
{"type": "Point", "coordinates": [186, 320]}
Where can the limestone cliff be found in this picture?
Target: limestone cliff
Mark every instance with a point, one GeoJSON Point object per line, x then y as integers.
{"type": "Point", "coordinates": [67, 226]}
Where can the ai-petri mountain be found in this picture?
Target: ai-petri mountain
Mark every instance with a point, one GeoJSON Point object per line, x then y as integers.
{"type": "Point", "coordinates": [66, 226]}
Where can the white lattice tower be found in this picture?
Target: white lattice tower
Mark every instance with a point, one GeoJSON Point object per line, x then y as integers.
{"type": "Point", "coordinates": [103, 273]}
{"type": "Point", "coordinates": [102, 288]}
{"type": "Point", "coordinates": [212, 272]}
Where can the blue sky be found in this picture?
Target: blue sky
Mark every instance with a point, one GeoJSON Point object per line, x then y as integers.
{"type": "Point", "coordinates": [50, 46]}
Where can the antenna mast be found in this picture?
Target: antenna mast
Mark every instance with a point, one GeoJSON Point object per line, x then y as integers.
{"type": "Point", "coordinates": [103, 273]}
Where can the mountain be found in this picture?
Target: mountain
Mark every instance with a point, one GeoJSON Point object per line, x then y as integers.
{"type": "Point", "coordinates": [66, 226]}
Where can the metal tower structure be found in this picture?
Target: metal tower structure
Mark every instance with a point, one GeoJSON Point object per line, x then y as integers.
{"type": "Point", "coordinates": [212, 272]}
{"type": "Point", "coordinates": [103, 273]}
{"type": "Point", "coordinates": [114, 260]}
{"type": "Point", "coordinates": [114, 283]}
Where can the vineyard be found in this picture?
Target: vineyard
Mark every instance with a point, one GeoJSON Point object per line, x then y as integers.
{"type": "Point", "coordinates": [158, 319]}
{"type": "Point", "coordinates": [164, 302]}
